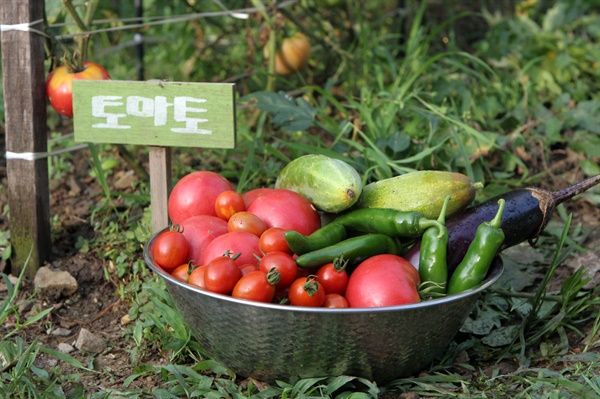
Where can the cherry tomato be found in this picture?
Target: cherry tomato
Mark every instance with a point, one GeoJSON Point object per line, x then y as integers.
{"type": "Point", "coordinates": [283, 263]}
{"type": "Point", "coordinates": [228, 203]}
{"type": "Point", "coordinates": [246, 221]}
{"type": "Point", "coordinates": [335, 301]}
{"type": "Point", "coordinates": [273, 239]}
{"type": "Point", "coordinates": [248, 267]}
{"type": "Point", "coordinates": [333, 277]}
{"type": "Point", "coordinates": [170, 249]}
{"type": "Point", "coordinates": [221, 275]}
{"type": "Point", "coordinates": [59, 85]}
{"type": "Point", "coordinates": [382, 280]}
{"type": "Point", "coordinates": [197, 276]}
{"type": "Point", "coordinates": [195, 194]}
{"type": "Point", "coordinates": [182, 272]}
{"type": "Point", "coordinates": [257, 286]}
{"type": "Point", "coordinates": [306, 291]}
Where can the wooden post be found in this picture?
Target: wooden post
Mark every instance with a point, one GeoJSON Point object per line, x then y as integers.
{"type": "Point", "coordinates": [25, 113]}
{"type": "Point", "coordinates": [160, 181]}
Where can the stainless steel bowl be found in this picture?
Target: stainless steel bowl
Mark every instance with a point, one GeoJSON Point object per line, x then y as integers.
{"type": "Point", "coordinates": [271, 341]}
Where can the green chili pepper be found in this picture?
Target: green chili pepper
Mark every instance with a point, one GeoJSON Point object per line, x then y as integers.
{"type": "Point", "coordinates": [480, 254]}
{"type": "Point", "coordinates": [362, 246]}
{"type": "Point", "coordinates": [433, 269]}
{"type": "Point", "coordinates": [327, 235]}
{"type": "Point", "coordinates": [390, 222]}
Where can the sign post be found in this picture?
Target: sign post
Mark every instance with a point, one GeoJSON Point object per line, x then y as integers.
{"type": "Point", "coordinates": [159, 115]}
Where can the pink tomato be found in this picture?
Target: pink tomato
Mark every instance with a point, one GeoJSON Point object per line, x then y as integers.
{"type": "Point", "coordinates": [195, 194]}
{"type": "Point", "coordinates": [287, 210]}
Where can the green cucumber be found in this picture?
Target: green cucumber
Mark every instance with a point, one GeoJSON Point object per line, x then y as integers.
{"type": "Point", "coordinates": [332, 185]}
{"type": "Point", "coordinates": [421, 191]}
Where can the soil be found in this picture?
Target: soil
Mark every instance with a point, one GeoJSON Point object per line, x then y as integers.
{"type": "Point", "coordinates": [96, 305]}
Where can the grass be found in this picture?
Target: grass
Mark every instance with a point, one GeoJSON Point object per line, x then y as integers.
{"type": "Point", "coordinates": [388, 101]}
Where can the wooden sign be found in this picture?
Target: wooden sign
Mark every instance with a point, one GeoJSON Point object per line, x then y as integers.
{"type": "Point", "coordinates": [159, 115]}
{"type": "Point", "coordinates": [154, 113]}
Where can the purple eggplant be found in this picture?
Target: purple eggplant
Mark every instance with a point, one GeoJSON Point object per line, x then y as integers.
{"type": "Point", "coordinates": [526, 214]}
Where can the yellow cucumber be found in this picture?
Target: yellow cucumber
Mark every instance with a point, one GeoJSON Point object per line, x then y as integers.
{"type": "Point", "coordinates": [332, 185]}
{"type": "Point", "coordinates": [421, 191]}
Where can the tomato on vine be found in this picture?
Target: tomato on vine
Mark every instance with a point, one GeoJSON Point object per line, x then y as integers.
{"type": "Point", "coordinates": [59, 85]}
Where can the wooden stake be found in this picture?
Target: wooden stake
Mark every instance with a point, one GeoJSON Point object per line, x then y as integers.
{"type": "Point", "coordinates": [160, 186]}
{"type": "Point", "coordinates": [26, 137]}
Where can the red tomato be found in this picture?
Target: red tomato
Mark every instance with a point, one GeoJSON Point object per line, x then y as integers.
{"type": "Point", "coordinates": [170, 249]}
{"type": "Point", "coordinates": [246, 221]}
{"type": "Point", "coordinates": [250, 196]}
{"type": "Point", "coordinates": [234, 242]}
{"type": "Point", "coordinates": [283, 263]}
{"type": "Point", "coordinates": [195, 194]}
{"type": "Point", "coordinates": [59, 85]}
{"type": "Point", "coordinates": [221, 275]}
{"type": "Point", "coordinates": [288, 210]}
{"type": "Point", "coordinates": [182, 272]}
{"type": "Point", "coordinates": [335, 301]}
{"type": "Point", "coordinates": [248, 267]}
{"type": "Point", "coordinates": [256, 286]}
{"type": "Point", "coordinates": [333, 277]}
{"type": "Point", "coordinates": [228, 203]}
{"type": "Point", "coordinates": [197, 277]}
{"type": "Point", "coordinates": [382, 280]}
{"type": "Point", "coordinates": [273, 239]}
{"type": "Point", "coordinates": [306, 291]}
{"type": "Point", "coordinates": [199, 232]}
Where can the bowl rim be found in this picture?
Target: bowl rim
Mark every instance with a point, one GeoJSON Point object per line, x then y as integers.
{"type": "Point", "coordinates": [494, 274]}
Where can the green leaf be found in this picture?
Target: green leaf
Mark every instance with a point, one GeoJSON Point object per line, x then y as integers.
{"type": "Point", "coordinates": [288, 113]}
{"type": "Point", "coordinates": [502, 336]}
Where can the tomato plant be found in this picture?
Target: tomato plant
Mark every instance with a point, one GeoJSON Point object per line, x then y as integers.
{"type": "Point", "coordinates": [273, 239]}
{"type": "Point", "coordinates": [199, 232]}
{"type": "Point", "coordinates": [221, 274]}
{"type": "Point", "coordinates": [284, 263]}
{"type": "Point", "coordinates": [228, 203]}
{"type": "Point", "coordinates": [195, 194]}
{"type": "Point", "coordinates": [333, 277]}
{"type": "Point", "coordinates": [257, 286]}
{"type": "Point", "coordinates": [382, 280]}
{"type": "Point", "coordinates": [335, 301]}
{"type": "Point", "coordinates": [170, 249]}
{"type": "Point", "coordinates": [246, 221]}
{"type": "Point", "coordinates": [288, 210]}
{"type": "Point", "coordinates": [306, 291]}
{"type": "Point", "coordinates": [235, 242]}
{"type": "Point", "coordinates": [292, 55]}
{"type": "Point", "coordinates": [59, 85]}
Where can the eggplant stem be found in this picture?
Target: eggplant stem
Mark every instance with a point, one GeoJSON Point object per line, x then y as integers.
{"type": "Point", "coordinates": [571, 191]}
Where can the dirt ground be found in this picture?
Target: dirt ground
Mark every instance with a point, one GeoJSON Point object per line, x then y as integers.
{"type": "Point", "coordinates": [96, 307]}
